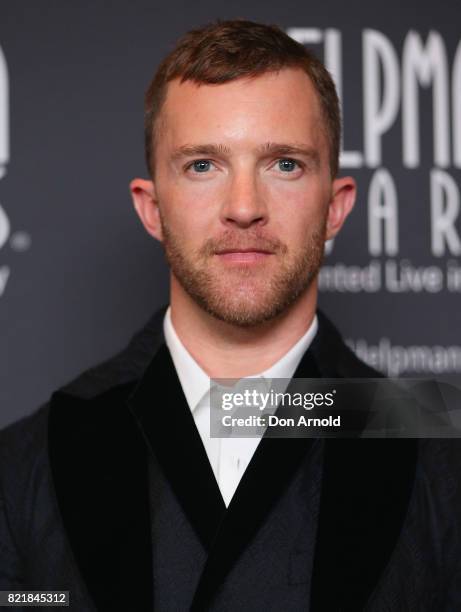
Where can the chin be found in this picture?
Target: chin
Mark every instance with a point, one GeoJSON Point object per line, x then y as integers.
{"type": "Point", "coordinates": [245, 315]}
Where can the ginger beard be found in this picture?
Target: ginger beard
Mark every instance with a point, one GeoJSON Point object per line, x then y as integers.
{"type": "Point", "coordinates": [245, 295]}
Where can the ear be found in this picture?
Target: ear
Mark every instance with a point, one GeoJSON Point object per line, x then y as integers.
{"type": "Point", "coordinates": [146, 205]}
{"type": "Point", "coordinates": [344, 191]}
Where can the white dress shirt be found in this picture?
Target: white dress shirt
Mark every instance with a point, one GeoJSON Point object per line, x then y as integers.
{"type": "Point", "coordinates": [229, 457]}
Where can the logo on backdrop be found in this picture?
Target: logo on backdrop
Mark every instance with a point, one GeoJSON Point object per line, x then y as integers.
{"type": "Point", "coordinates": [392, 97]}
{"type": "Point", "coordinates": [17, 241]}
{"type": "Point", "coordinates": [408, 141]}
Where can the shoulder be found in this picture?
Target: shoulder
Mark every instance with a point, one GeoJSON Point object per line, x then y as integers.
{"type": "Point", "coordinates": [123, 368]}
{"type": "Point", "coordinates": [82, 405]}
{"type": "Point", "coordinates": [106, 378]}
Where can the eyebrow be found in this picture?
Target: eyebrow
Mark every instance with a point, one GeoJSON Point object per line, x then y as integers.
{"type": "Point", "coordinates": [268, 148]}
{"type": "Point", "coordinates": [275, 148]}
{"type": "Point", "coordinates": [200, 150]}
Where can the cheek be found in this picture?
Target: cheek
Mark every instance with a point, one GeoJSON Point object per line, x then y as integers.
{"type": "Point", "coordinates": [297, 207]}
{"type": "Point", "coordinates": [188, 212]}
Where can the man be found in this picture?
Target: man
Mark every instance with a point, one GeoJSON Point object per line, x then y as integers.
{"type": "Point", "coordinates": [115, 490]}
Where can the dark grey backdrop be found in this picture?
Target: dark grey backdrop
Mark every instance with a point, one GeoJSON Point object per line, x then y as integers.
{"type": "Point", "coordinates": [77, 273]}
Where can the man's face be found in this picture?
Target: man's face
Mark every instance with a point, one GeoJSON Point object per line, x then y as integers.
{"type": "Point", "coordinates": [242, 188]}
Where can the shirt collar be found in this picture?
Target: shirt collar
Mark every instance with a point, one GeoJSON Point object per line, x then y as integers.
{"type": "Point", "coordinates": [196, 383]}
{"type": "Point", "coordinates": [286, 366]}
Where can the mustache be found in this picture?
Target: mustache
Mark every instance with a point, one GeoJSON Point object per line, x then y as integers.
{"type": "Point", "coordinates": [242, 241]}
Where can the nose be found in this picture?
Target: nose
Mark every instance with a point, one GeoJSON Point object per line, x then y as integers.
{"type": "Point", "coordinates": [244, 204]}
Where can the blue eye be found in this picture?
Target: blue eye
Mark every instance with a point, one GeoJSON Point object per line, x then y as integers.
{"type": "Point", "coordinates": [287, 165]}
{"type": "Point", "coordinates": [201, 165]}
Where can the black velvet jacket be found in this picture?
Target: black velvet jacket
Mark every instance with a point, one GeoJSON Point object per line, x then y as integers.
{"type": "Point", "coordinates": [76, 501]}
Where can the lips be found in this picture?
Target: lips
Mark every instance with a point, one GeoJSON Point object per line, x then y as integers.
{"type": "Point", "coordinates": [248, 250]}
{"type": "Point", "coordinates": [243, 256]}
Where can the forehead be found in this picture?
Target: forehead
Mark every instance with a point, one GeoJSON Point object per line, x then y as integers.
{"type": "Point", "coordinates": [275, 106]}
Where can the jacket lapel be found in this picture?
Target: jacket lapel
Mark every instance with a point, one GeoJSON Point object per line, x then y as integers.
{"type": "Point", "coordinates": [366, 489]}
{"type": "Point", "coordinates": [99, 468]}
{"type": "Point", "coordinates": [273, 465]}
{"type": "Point", "coordinates": [166, 421]}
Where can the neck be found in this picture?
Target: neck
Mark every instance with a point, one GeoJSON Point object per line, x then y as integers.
{"type": "Point", "coordinates": [214, 344]}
